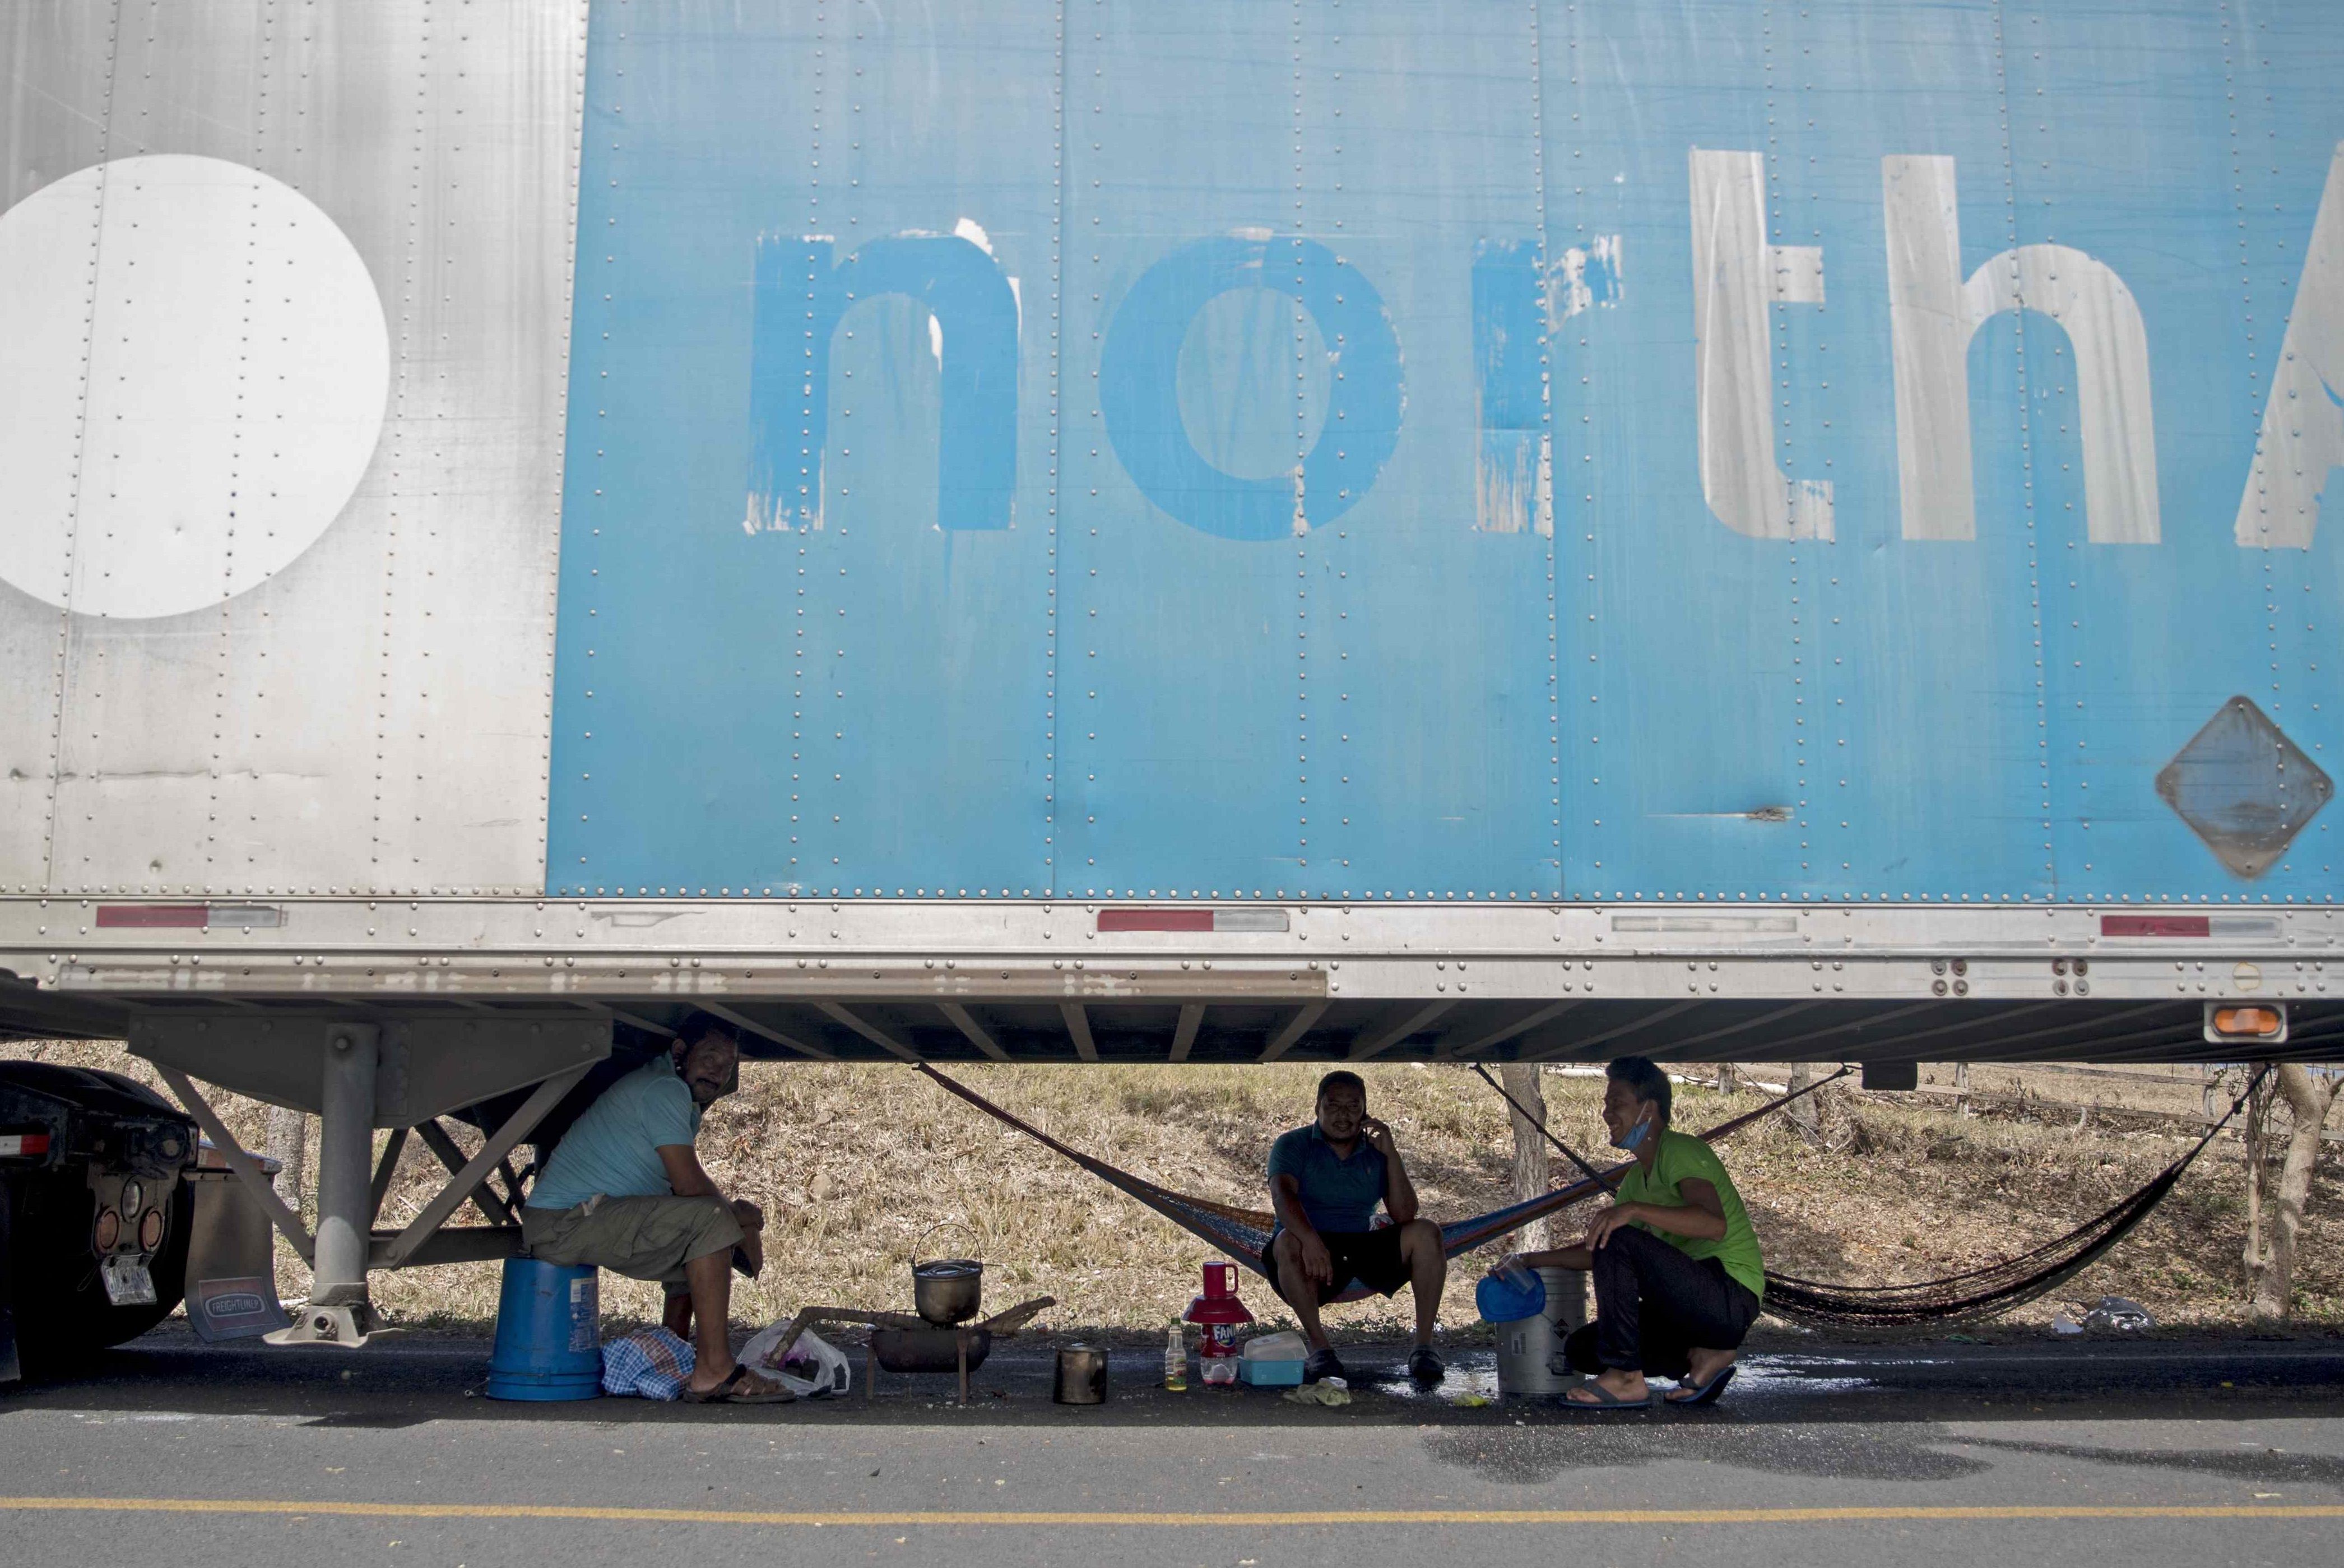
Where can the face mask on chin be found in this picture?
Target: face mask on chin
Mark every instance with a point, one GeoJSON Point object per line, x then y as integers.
{"type": "Point", "coordinates": [1634, 1137]}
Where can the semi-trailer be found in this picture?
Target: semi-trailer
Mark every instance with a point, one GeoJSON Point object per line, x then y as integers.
{"type": "Point", "coordinates": [1038, 531]}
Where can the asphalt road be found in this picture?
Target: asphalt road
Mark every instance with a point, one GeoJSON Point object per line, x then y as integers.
{"type": "Point", "coordinates": [2137, 1453]}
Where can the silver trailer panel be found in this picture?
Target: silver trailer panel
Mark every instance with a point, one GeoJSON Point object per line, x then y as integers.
{"type": "Point", "coordinates": [376, 713]}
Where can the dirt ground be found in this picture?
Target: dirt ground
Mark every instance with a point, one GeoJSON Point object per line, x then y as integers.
{"type": "Point", "coordinates": [862, 1168]}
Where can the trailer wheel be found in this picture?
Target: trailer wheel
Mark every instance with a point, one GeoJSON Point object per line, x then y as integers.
{"type": "Point", "coordinates": [61, 1309]}
{"type": "Point", "coordinates": [58, 1299]}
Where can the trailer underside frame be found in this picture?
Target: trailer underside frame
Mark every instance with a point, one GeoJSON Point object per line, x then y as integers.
{"type": "Point", "coordinates": [1044, 981]}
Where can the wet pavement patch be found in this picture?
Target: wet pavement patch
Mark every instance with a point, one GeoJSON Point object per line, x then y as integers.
{"type": "Point", "coordinates": [2262, 1465]}
{"type": "Point", "coordinates": [1531, 1455]}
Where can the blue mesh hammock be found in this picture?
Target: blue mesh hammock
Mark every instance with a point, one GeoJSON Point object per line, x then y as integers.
{"type": "Point", "coordinates": [1244, 1233]}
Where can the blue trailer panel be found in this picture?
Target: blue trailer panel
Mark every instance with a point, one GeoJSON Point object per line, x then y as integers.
{"type": "Point", "coordinates": [1369, 450]}
{"type": "Point", "coordinates": [1212, 532]}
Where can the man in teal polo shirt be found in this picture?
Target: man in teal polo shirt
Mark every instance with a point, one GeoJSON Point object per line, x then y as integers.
{"type": "Point", "coordinates": [1326, 1180]}
{"type": "Point", "coordinates": [625, 1190]}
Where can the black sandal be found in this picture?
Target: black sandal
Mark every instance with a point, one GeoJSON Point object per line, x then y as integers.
{"type": "Point", "coordinates": [724, 1393]}
{"type": "Point", "coordinates": [1706, 1393]}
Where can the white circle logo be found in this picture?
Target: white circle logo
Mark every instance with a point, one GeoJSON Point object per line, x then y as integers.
{"type": "Point", "coordinates": [193, 369]}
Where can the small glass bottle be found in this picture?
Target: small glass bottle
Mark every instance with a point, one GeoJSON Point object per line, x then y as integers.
{"type": "Point", "coordinates": [1176, 1360]}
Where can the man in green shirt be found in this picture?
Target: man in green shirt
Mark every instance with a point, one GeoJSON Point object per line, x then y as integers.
{"type": "Point", "coordinates": [1678, 1275]}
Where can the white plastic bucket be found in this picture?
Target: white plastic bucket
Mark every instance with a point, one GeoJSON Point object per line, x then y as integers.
{"type": "Point", "coordinates": [1530, 1352]}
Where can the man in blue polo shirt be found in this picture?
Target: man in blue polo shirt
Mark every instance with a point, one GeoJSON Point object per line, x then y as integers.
{"type": "Point", "coordinates": [1325, 1182]}
{"type": "Point", "coordinates": [625, 1190]}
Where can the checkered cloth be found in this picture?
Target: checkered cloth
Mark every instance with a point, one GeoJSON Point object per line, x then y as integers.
{"type": "Point", "coordinates": [649, 1363]}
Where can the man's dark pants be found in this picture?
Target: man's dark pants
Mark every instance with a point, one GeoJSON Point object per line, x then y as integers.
{"type": "Point", "coordinates": [1370, 1257]}
{"type": "Point", "coordinates": [1653, 1304]}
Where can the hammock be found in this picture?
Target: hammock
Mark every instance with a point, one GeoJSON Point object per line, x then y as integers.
{"type": "Point", "coordinates": [1999, 1287]}
{"type": "Point", "coordinates": [1978, 1293]}
{"type": "Point", "coordinates": [1244, 1233]}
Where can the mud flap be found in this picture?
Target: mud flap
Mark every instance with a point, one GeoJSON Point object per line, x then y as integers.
{"type": "Point", "coordinates": [231, 1263]}
{"type": "Point", "coordinates": [10, 1370]}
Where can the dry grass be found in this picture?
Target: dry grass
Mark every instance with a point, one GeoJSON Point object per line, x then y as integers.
{"type": "Point", "coordinates": [855, 1164]}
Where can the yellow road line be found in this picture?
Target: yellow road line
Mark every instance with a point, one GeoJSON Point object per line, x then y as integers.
{"type": "Point", "coordinates": [899, 1518]}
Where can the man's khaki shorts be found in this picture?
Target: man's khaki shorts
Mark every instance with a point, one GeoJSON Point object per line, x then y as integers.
{"type": "Point", "coordinates": [642, 1237]}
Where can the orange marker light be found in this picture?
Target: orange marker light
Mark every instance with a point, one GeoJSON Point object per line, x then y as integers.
{"type": "Point", "coordinates": [2247, 1023]}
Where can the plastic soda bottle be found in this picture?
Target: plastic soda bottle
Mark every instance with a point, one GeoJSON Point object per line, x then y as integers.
{"type": "Point", "coordinates": [1218, 1314]}
{"type": "Point", "coordinates": [1176, 1360]}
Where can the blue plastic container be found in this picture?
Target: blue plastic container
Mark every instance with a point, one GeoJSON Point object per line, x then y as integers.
{"type": "Point", "coordinates": [1270, 1374]}
{"type": "Point", "coordinates": [1504, 1300]}
{"type": "Point", "coordinates": [548, 1342]}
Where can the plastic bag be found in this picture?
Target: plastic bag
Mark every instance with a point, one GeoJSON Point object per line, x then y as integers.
{"type": "Point", "coordinates": [2117, 1312]}
{"type": "Point", "coordinates": [813, 1369]}
{"type": "Point", "coordinates": [2114, 1314]}
{"type": "Point", "coordinates": [1332, 1395]}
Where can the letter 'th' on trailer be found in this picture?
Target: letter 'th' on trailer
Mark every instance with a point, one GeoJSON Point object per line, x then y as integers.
{"type": "Point", "coordinates": [1736, 276]}
{"type": "Point", "coordinates": [1934, 312]}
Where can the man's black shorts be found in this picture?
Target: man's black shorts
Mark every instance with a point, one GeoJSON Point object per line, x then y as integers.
{"type": "Point", "coordinates": [1370, 1257]}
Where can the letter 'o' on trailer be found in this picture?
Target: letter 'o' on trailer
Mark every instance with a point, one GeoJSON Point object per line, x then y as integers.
{"type": "Point", "coordinates": [199, 376]}
{"type": "Point", "coordinates": [1139, 374]}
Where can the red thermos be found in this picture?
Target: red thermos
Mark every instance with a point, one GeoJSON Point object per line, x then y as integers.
{"type": "Point", "coordinates": [1218, 1313]}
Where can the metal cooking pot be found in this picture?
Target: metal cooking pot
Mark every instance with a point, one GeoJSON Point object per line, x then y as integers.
{"type": "Point", "coordinates": [1082, 1375]}
{"type": "Point", "coordinates": [947, 1291]}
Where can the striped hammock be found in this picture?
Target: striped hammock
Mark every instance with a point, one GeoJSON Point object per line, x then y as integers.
{"type": "Point", "coordinates": [1244, 1233]}
{"type": "Point", "coordinates": [1995, 1288]}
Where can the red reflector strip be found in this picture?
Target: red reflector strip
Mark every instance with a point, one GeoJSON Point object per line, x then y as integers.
{"type": "Point", "coordinates": [2156, 926]}
{"type": "Point", "coordinates": [1156, 920]}
{"type": "Point", "coordinates": [1255, 919]}
{"type": "Point", "coordinates": [15, 1144]}
{"type": "Point", "coordinates": [152, 915]}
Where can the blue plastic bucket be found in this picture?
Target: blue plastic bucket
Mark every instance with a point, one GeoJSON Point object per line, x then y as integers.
{"type": "Point", "coordinates": [548, 1342]}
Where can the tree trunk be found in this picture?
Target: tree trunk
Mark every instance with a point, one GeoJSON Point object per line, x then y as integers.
{"type": "Point", "coordinates": [2250, 1134]}
{"type": "Point", "coordinates": [1531, 1179]}
{"type": "Point", "coordinates": [289, 1142]}
{"type": "Point", "coordinates": [2308, 1099]}
{"type": "Point", "coordinates": [1805, 1116]}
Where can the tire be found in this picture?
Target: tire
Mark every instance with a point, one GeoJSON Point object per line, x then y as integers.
{"type": "Point", "coordinates": [62, 1312]}
{"type": "Point", "coordinates": [110, 1325]}
{"type": "Point", "coordinates": [59, 1300]}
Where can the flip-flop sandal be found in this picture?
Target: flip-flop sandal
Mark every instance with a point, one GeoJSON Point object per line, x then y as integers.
{"type": "Point", "coordinates": [1704, 1393]}
{"type": "Point", "coordinates": [1605, 1400]}
{"type": "Point", "coordinates": [726, 1393]}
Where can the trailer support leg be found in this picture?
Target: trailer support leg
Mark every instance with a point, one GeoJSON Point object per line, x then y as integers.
{"type": "Point", "coordinates": [239, 1161]}
{"type": "Point", "coordinates": [339, 1311]}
